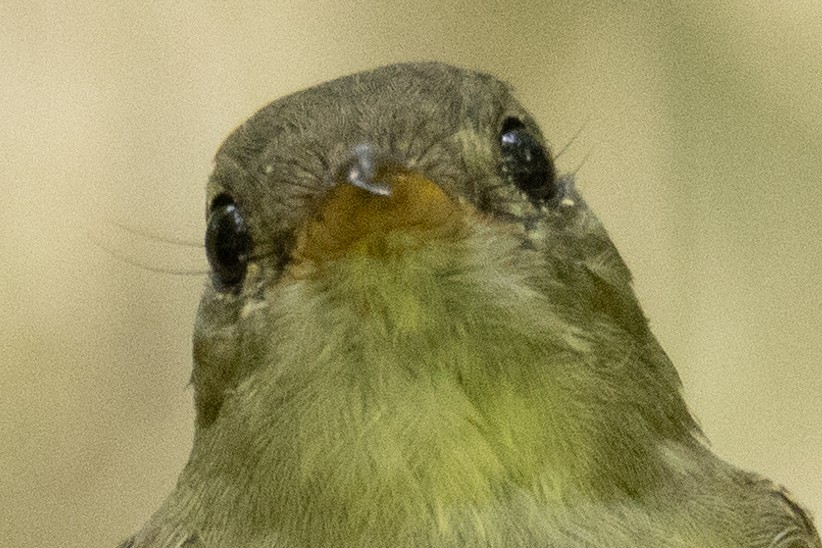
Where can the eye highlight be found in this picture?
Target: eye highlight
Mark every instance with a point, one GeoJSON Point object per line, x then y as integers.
{"type": "Point", "coordinates": [227, 244]}
{"type": "Point", "coordinates": [525, 162]}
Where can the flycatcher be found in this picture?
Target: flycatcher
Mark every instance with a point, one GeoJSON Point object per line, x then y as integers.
{"type": "Point", "coordinates": [416, 333]}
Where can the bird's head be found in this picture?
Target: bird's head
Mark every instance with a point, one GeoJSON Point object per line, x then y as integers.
{"type": "Point", "coordinates": [406, 295]}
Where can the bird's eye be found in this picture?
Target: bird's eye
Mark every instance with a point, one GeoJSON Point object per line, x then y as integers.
{"type": "Point", "coordinates": [525, 162]}
{"type": "Point", "coordinates": [227, 244]}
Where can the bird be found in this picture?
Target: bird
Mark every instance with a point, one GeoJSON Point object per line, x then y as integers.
{"type": "Point", "coordinates": [415, 332]}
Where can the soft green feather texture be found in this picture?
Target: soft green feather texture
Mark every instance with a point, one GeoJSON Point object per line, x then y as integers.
{"type": "Point", "coordinates": [452, 403]}
{"type": "Point", "coordinates": [445, 380]}
{"type": "Point", "coordinates": [497, 389]}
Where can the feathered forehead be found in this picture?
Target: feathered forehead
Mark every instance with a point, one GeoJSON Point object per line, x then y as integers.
{"type": "Point", "coordinates": [421, 116]}
{"type": "Point", "coordinates": [385, 102]}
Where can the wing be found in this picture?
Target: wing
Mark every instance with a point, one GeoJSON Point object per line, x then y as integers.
{"type": "Point", "coordinates": [140, 540]}
{"type": "Point", "coordinates": [800, 532]}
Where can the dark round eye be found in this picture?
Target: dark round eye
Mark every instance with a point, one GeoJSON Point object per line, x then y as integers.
{"type": "Point", "coordinates": [227, 244]}
{"type": "Point", "coordinates": [525, 161]}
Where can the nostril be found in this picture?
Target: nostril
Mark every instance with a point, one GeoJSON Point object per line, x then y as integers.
{"type": "Point", "coordinates": [362, 171]}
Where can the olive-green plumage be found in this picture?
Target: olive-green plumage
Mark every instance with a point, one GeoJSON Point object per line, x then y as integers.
{"type": "Point", "coordinates": [454, 358]}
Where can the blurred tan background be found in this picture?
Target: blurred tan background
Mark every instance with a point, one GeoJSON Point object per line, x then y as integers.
{"type": "Point", "coordinates": [703, 130]}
